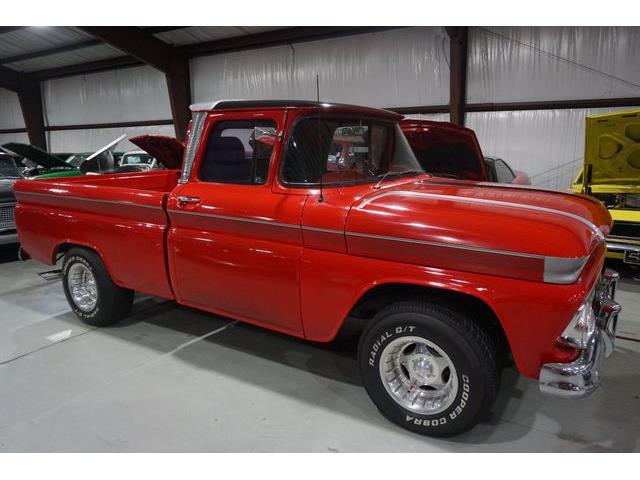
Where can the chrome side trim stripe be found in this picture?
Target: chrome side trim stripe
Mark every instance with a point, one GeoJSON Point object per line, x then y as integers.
{"type": "Point", "coordinates": [236, 219]}
{"type": "Point", "coordinates": [93, 200]}
{"type": "Point", "coordinates": [556, 269]}
{"type": "Point", "coordinates": [323, 230]}
{"type": "Point", "coordinates": [483, 201]}
{"type": "Point", "coordinates": [446, 245]}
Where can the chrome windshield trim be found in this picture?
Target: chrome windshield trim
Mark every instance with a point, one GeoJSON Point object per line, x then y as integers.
{"type": "Point", "coordinates": [483, 201]}
{"type": "Point", "coordinates": [94, 200]}
{"type": "Point", "coordinates": [195, 135]}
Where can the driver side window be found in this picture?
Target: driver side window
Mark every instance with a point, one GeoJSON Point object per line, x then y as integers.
{"type": "Point", "coordinates": [238, 152]}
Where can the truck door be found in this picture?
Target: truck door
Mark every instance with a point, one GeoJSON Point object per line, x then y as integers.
{"type": "Point", "coordinates": [234, 246]}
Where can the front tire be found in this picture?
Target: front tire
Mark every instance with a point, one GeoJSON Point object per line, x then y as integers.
{"type": "Point", "coordinates": [91, 293]}
{"type": "Point", "coordinates": [428, 369]}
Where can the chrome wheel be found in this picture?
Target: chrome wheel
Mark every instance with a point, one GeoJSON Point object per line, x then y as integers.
{"type": "Point", "coordinates": [418, 375]}
{"type": "Point", "coordinates": [82, 287]}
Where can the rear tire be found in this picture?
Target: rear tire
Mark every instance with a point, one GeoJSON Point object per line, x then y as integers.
{"type": "Point", "coordinates": [439, 374]}
{"type": "Point", "coordinates": [91, 293]}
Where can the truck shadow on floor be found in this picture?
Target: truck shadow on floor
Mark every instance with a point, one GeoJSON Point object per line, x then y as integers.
{"type": "Point", "coordinates": [264, 358]}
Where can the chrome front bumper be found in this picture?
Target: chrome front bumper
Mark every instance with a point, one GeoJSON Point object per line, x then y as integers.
{"type": "Point", "coordinates": [581, 377]}
{"type": "Point", "coordinates": [621, 247]}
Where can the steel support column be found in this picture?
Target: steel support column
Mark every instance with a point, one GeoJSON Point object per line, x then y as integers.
{"type": "Point", "coordinates": [458, 73]}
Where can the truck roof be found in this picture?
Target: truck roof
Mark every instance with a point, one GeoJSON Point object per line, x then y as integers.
{"type": "Point", "coordinates": [279, 104]}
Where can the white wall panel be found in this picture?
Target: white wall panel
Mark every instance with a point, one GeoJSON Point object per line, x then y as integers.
{"type": "Point", "coordinates": [121, 95]}
{"type": "Point", "coordinates": [394, 68]}
{"type": "Point", "coordinates": [13, 137]}
{"type": "Point", "coordinates": [438, 117]}
{"type": "Point", "coordinates": [253, 74]}
{"type": "Point", "coordinates": [546, 144]}
{"type": "Point", "coordinates": [10, 113]}
{"type": "Point", "coordinates": [92, 140]}
{"type": "Point", "coordinates": [508, 64]}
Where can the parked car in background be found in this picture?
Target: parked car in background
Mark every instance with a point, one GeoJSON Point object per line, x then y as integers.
{"type": "Point", "coordinates": [76, 159]}
{"type": "Point", "coordinates": [444, 277]}
{"type": "Point", "coordinates": [36, 163]}
{"type": "Point", "coordinates": [449, 151]}
{"type": "Point", "coordinates": [500, 172]}
{"type": "Point", "coordinates": [612, 166]}
{"type": "Point", "coordinates": [9, 173]}
{"type": "Point", "coordinates": [139, 159]}
{"type": "Point", "coordinates": [446, 150]}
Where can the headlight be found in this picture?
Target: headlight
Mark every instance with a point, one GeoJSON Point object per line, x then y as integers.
{"type": "Point", "coordinates": [582, 325]}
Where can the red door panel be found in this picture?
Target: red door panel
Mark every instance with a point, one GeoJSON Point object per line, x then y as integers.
{"type": "Point", "coordinates": [236, 250]}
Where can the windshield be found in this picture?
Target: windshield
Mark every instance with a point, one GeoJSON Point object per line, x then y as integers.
{"type": "Point", "coordinates": [8, 167]}
{"type": "Point", "coordinates": [346, 151]}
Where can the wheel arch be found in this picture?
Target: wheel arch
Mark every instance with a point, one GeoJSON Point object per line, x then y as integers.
{"type": "Point", "coordinates": [379, 296]}
{"type": "Point", "coordinates": [63, 247]}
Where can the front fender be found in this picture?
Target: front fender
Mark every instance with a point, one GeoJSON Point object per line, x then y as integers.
{"type": "Point", "coordinates": [532, 314]}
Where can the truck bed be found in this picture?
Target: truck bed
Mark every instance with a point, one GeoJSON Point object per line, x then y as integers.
{"type": "Point", "coordinates": [123, 214]}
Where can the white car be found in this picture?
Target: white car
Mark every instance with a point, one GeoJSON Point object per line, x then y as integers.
{"type": "Point", "coordinates": [139, 158]}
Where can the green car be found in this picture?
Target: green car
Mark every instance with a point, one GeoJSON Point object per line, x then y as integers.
{"type": "Point", "coordinates": [37, 163]}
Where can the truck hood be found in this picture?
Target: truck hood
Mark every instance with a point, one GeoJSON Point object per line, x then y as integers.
{"type": "Point", "coordinates": [168, 151]}
{"type": "Point", "coordinates": [612, 149]}
{"type": "Point", "coordinates": [446, 150]}
{"type": "Point", "coordinates": [513, 231]}
{"type": "Point", "coordinates": [40, 157]}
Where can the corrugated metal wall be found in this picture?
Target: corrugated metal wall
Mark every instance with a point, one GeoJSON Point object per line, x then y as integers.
{"type": "Point", "coordinates": [394, 68]}
{"type": "Point", "coordinates": [125, 95]}
{"type": "Point", "coordinates": [515, 64]}
{"type": "Point", "coordinates": [10, 113]}
{"type": "Point", "coordinates": [10, 117]}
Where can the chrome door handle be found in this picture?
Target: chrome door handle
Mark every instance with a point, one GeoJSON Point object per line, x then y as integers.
{"type": "Point", "coordinates": [184, 200]}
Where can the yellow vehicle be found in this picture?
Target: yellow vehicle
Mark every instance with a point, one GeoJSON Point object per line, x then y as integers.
{"type": "Point", "coordinates": [611, 173]}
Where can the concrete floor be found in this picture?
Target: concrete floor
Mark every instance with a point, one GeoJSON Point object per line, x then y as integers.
{"type": "Point", "coordinates": [176, 379]}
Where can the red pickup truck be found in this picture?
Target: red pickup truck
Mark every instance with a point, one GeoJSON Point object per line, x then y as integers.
{"type": "Point", "coordinates": [267, 223]}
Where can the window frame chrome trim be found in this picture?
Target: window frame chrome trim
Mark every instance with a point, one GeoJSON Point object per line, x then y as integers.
{"type": "Point", "coordinates": [195, 137]}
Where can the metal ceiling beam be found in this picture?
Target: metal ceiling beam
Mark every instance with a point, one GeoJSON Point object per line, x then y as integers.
{"type": "Point", "coordinates": [135, 42]}
{"type": "Point", "coordinates": [174, 64]}
{"type": "Point", "coordinates": [10, 79]}
{"type": "Point", "coordinates": [153, 30]}
{"type": "Point", "coordinates": [457, 73]}
{"type": "Point", "coordinates": [275, 37]}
